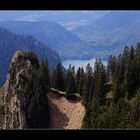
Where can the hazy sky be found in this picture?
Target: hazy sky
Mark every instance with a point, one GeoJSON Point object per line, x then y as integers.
{"type": "Point", "coordinates": [69, 19]}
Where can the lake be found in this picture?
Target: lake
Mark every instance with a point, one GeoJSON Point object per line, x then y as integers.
{"type": "Point", "coordinates": [80, 63]}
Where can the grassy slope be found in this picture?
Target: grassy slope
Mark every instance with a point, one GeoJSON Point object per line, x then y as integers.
{"type": "Point", "coordinates": [57, 91]}
{"type": "Point", "coordinates": [62, 93]}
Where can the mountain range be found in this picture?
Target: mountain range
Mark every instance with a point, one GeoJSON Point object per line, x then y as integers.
{"type": "Point", "coordinates": [68, 45]}
{"type": "Point", "coordinates": [112, 32]}
{"type": "Point", "coordinates": [95, 34]}
{"type": "Point", "coordinates": [68, 19]}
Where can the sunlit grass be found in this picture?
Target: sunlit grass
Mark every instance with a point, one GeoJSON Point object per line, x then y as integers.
{"type": "Point", "coordinates": [57, 91]}
{"type": "Point", "coordinates": [109, 95]}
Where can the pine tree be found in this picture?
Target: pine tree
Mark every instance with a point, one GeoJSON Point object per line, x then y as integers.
{"type": "Point", "coordinates": [89, 74]}
{"type": "Point", "coordinates": [78, 76]}
{"type": "Point", "coordinates": [137, 67]}
{"type": "Point", "coordinates": [46, 73]}
{"type": "Point", "coordinates": [38, 110]}
{"type": "Point", "coordinates": [111, 64]}
{"type": "Point", "coordinates": [58, 78]}
{"type": "Point", "coordinates": [129, 81]}
{"type": "Point", "coordinates": [74, 78]}
{"type": "Point", "coordinates": [68, 73]}
{"type": "Point", "coordinates": [132, 52]}
{"type": "Point", "coordinates": [81, 83]}
{"type": "Point", "coordinates": [116, 88]}
{"type": "Point", "coordinates": [87, 85]}
{"type": "Point", "coordinates": [70, 88]}
{"type": "Point", "coordinates": [85, 93]}
{"type": "Point", "coordinates": [124, 62]}
{"type": "Point", "coordinates": [99, 80]}
{"type": "Point", "coordinates": [71, 84]}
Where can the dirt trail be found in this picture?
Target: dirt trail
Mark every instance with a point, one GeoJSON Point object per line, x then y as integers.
{"type": "Point", "coordinates": [65, 114]}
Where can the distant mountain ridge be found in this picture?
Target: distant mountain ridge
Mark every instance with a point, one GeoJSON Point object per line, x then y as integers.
{"type": "Point", "coordinates": [68, 45]}
{"type": "Point", "coordinates": [68, 19]}
{"type": "Point", "coordinates": [105, 36]}
{"type": "Point", "coordinates": [112, 32]}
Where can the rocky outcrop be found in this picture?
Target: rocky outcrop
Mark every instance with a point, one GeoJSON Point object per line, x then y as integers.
{"type": "Point", "coordinates": [12, 93]}
{"type": "Point", "coordinates": [65, 114]}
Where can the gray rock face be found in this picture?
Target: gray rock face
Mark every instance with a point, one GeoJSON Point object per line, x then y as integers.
{"type": "Point", "coordinates": [13, 96]}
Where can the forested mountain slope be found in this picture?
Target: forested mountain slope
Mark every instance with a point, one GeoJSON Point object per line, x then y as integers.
{"type": "Point", "coordinates": [11, 42]}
